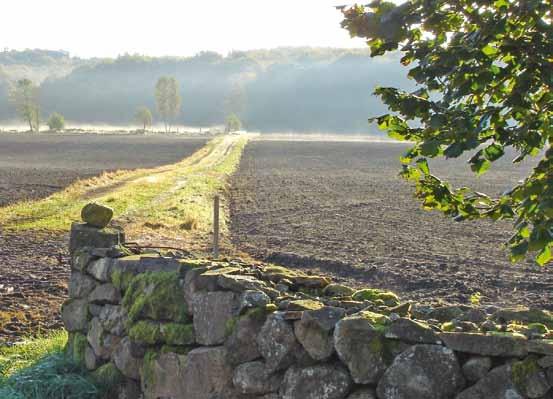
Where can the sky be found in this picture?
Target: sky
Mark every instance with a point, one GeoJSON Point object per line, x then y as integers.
{"type": "Point", "coordinates": [107, 28]}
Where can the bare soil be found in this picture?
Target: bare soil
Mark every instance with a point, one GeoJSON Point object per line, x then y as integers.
{"type": "Point", "coordinates": [339, 208]}
{"type": "Point", "coordinates": [34, 266]}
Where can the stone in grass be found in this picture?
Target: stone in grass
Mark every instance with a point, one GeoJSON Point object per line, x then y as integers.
{"type": "Point", "coordinates": [324, 381]}
{"type": "Point", "coordinates": [360, 344]}
{"type": "Point", "coordinates": [109, 378]}
{"type": "Point", "coordinates": [422, 371]}
{"type": "Point", "coordinates": [338, 290]}
{"type": "Point", "coordinates": [76, 347]}
{"type": "Point", "coordinates": [96, 215]}
{"type": "Point", "coordinates": [253, 378]}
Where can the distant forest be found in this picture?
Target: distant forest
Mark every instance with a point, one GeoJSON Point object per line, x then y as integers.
{"type": "Point", "coordinates": [284, 89]}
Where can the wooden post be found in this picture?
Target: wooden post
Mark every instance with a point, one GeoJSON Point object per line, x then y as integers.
{"type": "Point", "coordinates": [216, 227]}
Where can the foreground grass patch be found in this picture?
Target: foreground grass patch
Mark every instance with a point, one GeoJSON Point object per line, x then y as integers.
{"type": "Point", "coordinates": [174, 196]}
{"type": "Point", "coordinates": [38, 369]}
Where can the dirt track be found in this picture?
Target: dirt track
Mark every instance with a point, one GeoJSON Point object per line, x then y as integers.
{"type": "Point", "coordinates": [340, 208]}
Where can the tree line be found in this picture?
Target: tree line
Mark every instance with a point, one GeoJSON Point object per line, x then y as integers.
{"type": "Point", "coordinates": [309, 90]}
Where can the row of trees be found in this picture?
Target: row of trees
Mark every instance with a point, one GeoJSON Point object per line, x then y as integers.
{"type": "Point", "coordinates": [24, 95]}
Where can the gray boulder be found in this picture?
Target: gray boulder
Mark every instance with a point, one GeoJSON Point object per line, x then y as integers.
{"type": "Point", "coordinates": [101, 342]}
{"type": "Point", "coordinates": [100, 269]}
{"type": "Point", "coordinates": [497, 384]}
{"type": "Point", "coordinates": [361, 347]}
{"type": "Point", "coordinates": [423, 371]}
{"type": "Point", "coordinates": [529, 379]}
{"type": "Point", "coordinates": [325, 381]}
{"type": "Point", "coordinates": [74, 314]}
{"type": "Point", "coordinates": [125, 361]}
{"type": "Point", "coordinates": [239, 283]}
{"type": "Point", "coordinates": [80, 285]}
{"type": "Point", "coordinates": [96, 215]}
{"type": "Point", "coordinates": [363, 393]}
{"type": "Point", "coordinates": [241, 343]}
{"type": "Point", "coordinates": [83, 235]}
{"type": "Point", "coordinates": [314, 331]}
{"type": "Point", "coordinates": [254, 379]}
{"type": "Point", "coordinates": [276, 342]}
{"type": "Point", "coordinates": [486, 345]}
{"type": "Point", "coordinates": [105, 293]}
{"type": "Point", "coordinates": [213, 311]}
{"type": "Point", "coordinates": [250, 299]}
{"type": "Point", "coordinates": [113, 318]}
{"type": "Point", "coordinates": [408, 330]}
{"type": "Point", "coordinates": [476, 367]}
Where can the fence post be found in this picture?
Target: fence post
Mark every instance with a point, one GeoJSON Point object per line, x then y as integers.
{"type": "Point", "coordinates": [216, 227]}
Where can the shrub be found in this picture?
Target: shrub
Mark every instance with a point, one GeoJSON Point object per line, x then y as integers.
{"type": "Point", "coordinates": [56, 122]}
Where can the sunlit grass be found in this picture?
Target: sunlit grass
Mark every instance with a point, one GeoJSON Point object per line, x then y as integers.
{"type": "Point", "coordinates": [168, 196]}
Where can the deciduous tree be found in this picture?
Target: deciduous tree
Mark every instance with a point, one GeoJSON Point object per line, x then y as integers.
{"type": "Point", "coordinates": [144, 117]}
{"type": "Point", "coordinates": [484, 71]}
{"type": "Point", "coordinates": [24, 97]}
{"type": "Point", "coordinates": [168, 100]}
{"type": "Point", "coordinates": [56, 122]}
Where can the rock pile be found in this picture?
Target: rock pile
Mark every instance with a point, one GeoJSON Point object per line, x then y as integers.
{"type": "Point", "coordinates": [160, 327]}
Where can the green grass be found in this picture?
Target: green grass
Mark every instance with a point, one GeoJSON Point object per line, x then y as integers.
{"type": "Point", "coordinates": [38, 369]}
{"type": "Point", "coordinates": [177, 197]}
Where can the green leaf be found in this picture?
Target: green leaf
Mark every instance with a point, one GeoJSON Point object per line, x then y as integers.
{"type": "Point", "coordinates": [480, 166]}
{"type": "Point", "coordinates": [493, 152]}
{"type": "Point", "coordinates": [423, 166]}
{"type": "Point", "coordinates": [490, 50]}
{"type": "Point", "coordinates": [544, 256]}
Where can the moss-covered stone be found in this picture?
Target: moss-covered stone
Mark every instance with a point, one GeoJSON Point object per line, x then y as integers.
{"type": "Point", "coordinates": [146, 332]}
{"type": "Point", "coordinates": [108, 376]}
{"type": "Point", "coordinates": [76, 347]}
{"type": "Point", "coordinates": [522, 370]}
{"type": "Point", "coordinates": [121, 279]}
{"type": "Point", "coordinates": [271, 307]}
{"type": "Point", "coordinates": [156, 296]}
{"type": "Point", "coordinates": [447, 326]}
{"type": "Point", "coordinates": [538, 328]}
{"type": "Point", "coordinates": [305, 304]}
{"type": "Point", "coordinates": [230, 325]}
{"type": "Point", "coordinates": [177, 334]}
{"type": "Point", "coordinates": [375, 295]}
{"type": "Point", "coordinates": [525, 315]}
{"type": "Point", "coordinates": [338, 290]}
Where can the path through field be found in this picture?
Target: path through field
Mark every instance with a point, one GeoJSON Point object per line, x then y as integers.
{"type": "Point", "coordinates": [151, 204]}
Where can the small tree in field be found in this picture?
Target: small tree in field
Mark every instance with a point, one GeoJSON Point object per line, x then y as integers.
{"type": "Point", "coordinates": [56, 122]}
{"type": "Point", "coordinates": [233, 123]}
{"type": "Point", "coordinates": [144, 117]}
{"type": "Point", "coordinates": [168, 100]}
{"type": "Point", "coordinates": [24, 96]}
{"type": "Point", "coordinates": [485, 77]}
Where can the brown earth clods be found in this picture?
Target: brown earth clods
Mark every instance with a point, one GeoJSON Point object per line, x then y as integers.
{"type": "Point", "coordinates": [34, 266]}
{"type": "Point", "coordinates": [340, 209]}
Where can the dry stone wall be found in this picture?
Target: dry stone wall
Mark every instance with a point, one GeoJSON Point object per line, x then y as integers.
{"type": "Point", "coordinates": [155, 326]}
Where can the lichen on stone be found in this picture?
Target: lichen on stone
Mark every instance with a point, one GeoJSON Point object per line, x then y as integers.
{"type": "Point", "coordinates": [520, 371]}
{"type": "Point", "coordinates": [156, 296]}
{"type": "Point", "coordinates": [375, 295]}
{"type": "Point", "coordinates": [146, 332]}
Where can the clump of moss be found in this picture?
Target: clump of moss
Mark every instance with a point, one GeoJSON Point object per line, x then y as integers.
{"type": "Point", "coordinates": [146, 332]}
{"type": "Point", "coordinates": [448, 326]}
{"type": "Point", "coordinates": [156, 296]}
{"type": "Point", "coordinates": [76, 346]}
{"type": "Point", "coordinates": [538, 328]}
{"type": "Point", "coordinates": [305, 304]}
{"type": "Point", "coordinates": [230, 325]}
{"type": "Point", "coordinates": [108, 376]}
{"type": "Point", "coordinates": [121, 280]}
{"type": "Point", "coordinates": [371, 294]}
{"type": "Point", "coordinates": [177, 334]}
{"type": "Point", "coordinates": [520, 371]}
{"type": "Point", "coordinates": [271, 307]}
{"type": "Point", "coordinates": [378, 321]}
{"type": "Point", "coordinates": [338, 290]}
